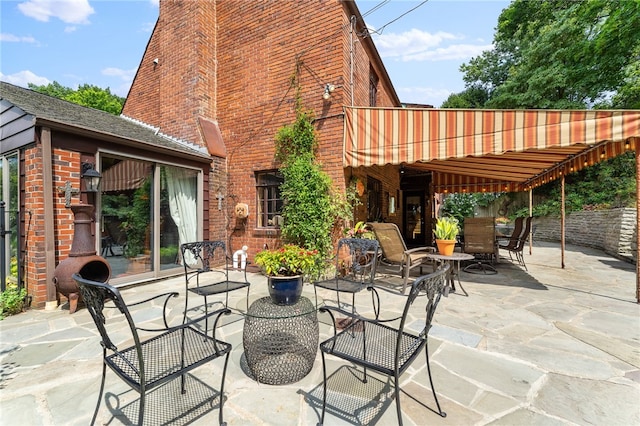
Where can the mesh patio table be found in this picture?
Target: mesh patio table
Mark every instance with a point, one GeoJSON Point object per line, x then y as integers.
{"type": "Point", "coordinates": [280, 341]}
{"type": "Point", "coordinates": [454, 271]}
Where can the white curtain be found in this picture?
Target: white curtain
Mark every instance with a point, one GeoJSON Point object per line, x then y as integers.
{"type": "Point", "coordinates": [182, 189]}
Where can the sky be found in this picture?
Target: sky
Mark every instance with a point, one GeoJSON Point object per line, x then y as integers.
{"type": "Point", "coordinates": [101, 43]}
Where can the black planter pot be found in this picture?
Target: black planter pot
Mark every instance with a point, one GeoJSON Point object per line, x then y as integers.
{"type": "Point", "coordinates": [285, 290]}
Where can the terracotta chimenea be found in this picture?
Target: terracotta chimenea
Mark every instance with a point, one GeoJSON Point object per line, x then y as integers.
{"type": "Point", "coordinates": [82, 258]}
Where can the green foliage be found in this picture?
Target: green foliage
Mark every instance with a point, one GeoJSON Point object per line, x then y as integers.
{"type": "Point", "coordinates": [168, 254]}
{"type": "Point", "coordinates": [308, 213]}
{"type": "Point", "coordinates": [609, 184]}
{"type": "Point", "coordinates": [447, 228]}
{"type": "Point", "coordinates": [459, 206]}
{"type": "Point", "coordinates": [289, 260]}
{"type": "Point", "coordinates": [360, 230]}
{"type": "Point", "coordinates": [134, 215]}
{"type": "Point", "coordinates": [471, 97]}
{"type": "Point", "coordinates": [307, 208]}
{"type": "Point", "coordinates": [86, 95]}
{"type": "Point", "coordinates": [561, 54]}
{"type": "Point", "coordinates": [297, 139]}
{"type": "Point", "coordinates": [12, 300]}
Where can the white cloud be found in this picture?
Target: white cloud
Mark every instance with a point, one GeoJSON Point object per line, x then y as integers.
{"type": "Point", "coordinates": [68, 11]}
{"type": "Point", "coordinates": [418, 45]}
{"type": "Point", "coordinates": [16, 39]}
{"type": "Point", "coordinates": [423, 95]}
{"type": "Point", "coordinates": [23, 78]}
{"type": "Point", "coordinates": [70, 29]}
{"type": "Point", "coordinates": [125, 75]}
{"type": "Point", "coordinates": [453, 52]}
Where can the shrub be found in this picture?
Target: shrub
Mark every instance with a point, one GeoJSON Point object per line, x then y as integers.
{"type": "Point", "coordinates": [12, 300]}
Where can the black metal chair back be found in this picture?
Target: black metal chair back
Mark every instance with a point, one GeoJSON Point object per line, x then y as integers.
{"type": "Point", "coordinates": [355, 269]}
{"type": "Point", "coordinates": [206, 271]}
{"type": "Point", "coordinates": [375, 344]}
{"type": "Point", "coordinates": [168, 354]}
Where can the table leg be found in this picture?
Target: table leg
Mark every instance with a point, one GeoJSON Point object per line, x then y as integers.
{"type": "Point", "coordinates": [455, 272]}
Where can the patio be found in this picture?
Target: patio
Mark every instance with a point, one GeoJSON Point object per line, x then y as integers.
{"type": "Point", "coordinates": [547, 346]}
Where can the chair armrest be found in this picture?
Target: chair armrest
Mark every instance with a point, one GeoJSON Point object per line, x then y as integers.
{"type": "Point", "coordinates": [217, 313]}
{"type": "Point", "coordinates": [167, 296]}
{"type": "Point", "coordinates": [419, 249]}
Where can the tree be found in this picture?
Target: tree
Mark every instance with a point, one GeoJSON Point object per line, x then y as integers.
{"type": "Point", "coordinates": [86, 95]}
{"type": "Point", "coordinates": [561, 54]}
{"type": "Point", "coordinates": [565, 54]}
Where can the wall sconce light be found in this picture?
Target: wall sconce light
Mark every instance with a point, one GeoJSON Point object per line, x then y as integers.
{"type": "Point", "coordinates": [91, 177]}
{"type": "Point", "coordinates": [328, 89]}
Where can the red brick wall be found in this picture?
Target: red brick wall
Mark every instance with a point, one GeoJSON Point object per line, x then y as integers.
{"type": "Point", "coordinates": [258, 49]}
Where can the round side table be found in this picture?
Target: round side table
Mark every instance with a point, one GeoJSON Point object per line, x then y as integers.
{"type": "Point", "coordinates": [280, 341]}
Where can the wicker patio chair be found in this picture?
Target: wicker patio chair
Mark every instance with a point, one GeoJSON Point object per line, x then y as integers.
{"type": "Point", "coordinates": [377, 345]}
{"type": "Point", "coordinates": [511, 241]}
{"type": "Point", "coordinates": [480, 241]}
{"type": "Point", "coordinates": [395, 252]}
{"type": "Point", "coordinates": [169, 354]}
{"type": "Point", "coordinates": [356, 260]}
{"type": "Point", "coordinates": [516, 247]}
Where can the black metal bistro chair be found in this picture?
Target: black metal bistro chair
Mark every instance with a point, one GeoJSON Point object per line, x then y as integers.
{"type": "Point", "coordinates": [377, 345]}
{"type": "Point", "coordinates": [206, 272]}
{"type": "Point", "coordinates": [169, 354]}
{"type": "Point", "coordinates": [356, 260]}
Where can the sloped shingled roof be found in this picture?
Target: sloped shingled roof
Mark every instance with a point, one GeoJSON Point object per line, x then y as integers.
{"type": "Point", "coordinates": [58, 113]}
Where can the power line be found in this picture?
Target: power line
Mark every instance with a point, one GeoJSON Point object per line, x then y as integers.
{"type": "Point", "coordinates": [381, 29]}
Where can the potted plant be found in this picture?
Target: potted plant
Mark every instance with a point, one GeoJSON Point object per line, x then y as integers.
{"type": "Point", "coordinates": [446, 232]}
{"type": "Point", "coordinates": [360, 230]}
{"type": "Point", "coordinates": [285, 268]}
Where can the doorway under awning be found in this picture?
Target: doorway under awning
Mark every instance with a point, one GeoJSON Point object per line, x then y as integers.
{"type": "Point", "coordinates": [490, 150]}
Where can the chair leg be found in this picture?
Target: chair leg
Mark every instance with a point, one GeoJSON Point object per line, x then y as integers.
{"type": "Point", "coordinates": [224, 373]}
{"type": "Point", "coordinates": [104, 372]}
{"type": "Point", "coordinates": [324, 389]}
{"type": "Point", "coordinates": [433, 389]}
{"type": "Point", "coordinates": [142, 401]}
{"type": "Point", "coordinates": [396, 386]}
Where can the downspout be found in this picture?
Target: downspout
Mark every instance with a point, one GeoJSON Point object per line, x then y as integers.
{"type": "Point", "coordinates": [49, 226]}
{"type": "Point", "coordinates": [353, 24]}
{"type": "Point", "coordinates": [562, 223]}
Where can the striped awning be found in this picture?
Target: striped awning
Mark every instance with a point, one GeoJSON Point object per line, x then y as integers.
{"type": "Point", "coordinates": [125, 175]}
{"type": "Point", "coordinates": [488, 150]}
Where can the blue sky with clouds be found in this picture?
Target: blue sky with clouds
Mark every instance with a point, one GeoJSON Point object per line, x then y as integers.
{"type": "Point", "coordinates": [78, 42]}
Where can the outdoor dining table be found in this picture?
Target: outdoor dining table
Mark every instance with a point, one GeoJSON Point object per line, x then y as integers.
{"type": "Point", "coordinates": [454, 260]}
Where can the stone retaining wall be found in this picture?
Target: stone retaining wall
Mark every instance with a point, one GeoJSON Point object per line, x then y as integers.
{"type": "Point", "coordinates": [613, 231]}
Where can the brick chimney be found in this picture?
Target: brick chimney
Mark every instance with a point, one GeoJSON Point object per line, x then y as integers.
{"type": "Point", "coordinates": [176, 80]}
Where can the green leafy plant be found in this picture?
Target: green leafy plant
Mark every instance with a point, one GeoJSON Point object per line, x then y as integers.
{"type": "Point", "coordinates": [308, 214]}
{"type": "Point", "coordinates": [12, 300]}
{"type": "Point", "coordinates": [289, 260]}
{"type": "Point", "coordinates": [447, 228]}
{"type": "Point", "coordinates": [360, 230]}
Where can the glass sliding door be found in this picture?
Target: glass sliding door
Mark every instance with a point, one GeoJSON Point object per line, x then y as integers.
{"type": "Point", "coordinates": [126, 219]}
{"type": "Point", "coordinates": [9, 194]}
{"type": "Point", "coordinates": [178, 212]}
{"type": "Point", "coordinates": [147, 210]}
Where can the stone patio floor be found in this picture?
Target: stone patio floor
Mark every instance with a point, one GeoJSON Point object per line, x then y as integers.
{"type": "Point", "coordinates": [547, 346]}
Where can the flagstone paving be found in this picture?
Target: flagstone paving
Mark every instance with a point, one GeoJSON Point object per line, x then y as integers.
{"type": "Point", "coordinates": [547, 346]}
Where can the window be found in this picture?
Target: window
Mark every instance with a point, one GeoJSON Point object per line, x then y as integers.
{"type": "Point", "coordinates": [269, 199]}
{"type": "Point", "coordinates": [373, 87]}
{"type": "Point", "coordinates": [9, 194]}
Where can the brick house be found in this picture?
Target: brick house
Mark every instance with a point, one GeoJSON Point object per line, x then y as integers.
{"type": "Point", "coordinates": [219, 75]}
{"type": "Point", "coordinates": [195, 138]}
